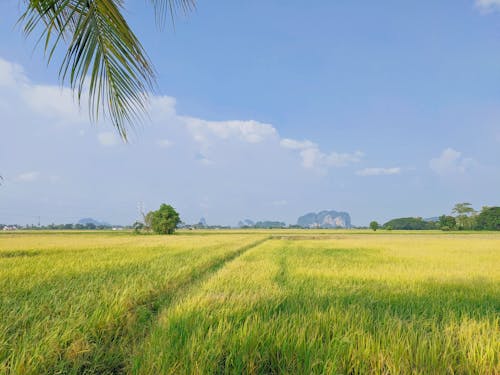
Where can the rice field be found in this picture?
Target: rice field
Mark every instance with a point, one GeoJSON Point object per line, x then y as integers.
{"type": "Point", "coordinates": [255, 302]}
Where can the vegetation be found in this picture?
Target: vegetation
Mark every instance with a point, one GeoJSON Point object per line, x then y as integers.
{"type": "Point", "coordinates": [80, 302]}
{"type": "Point", "coordinates": [305, 301]}
{"type": "Point", "coordinates": [464, 215]}
{"type": "Point", "coordinates": [447, 222]}
{"type": "Point", "coordinates": [164, 220]}
{"type": "Point", "coordinates": [465, 218]}
{"type": "Point", "coordinates": [104, 60]}
{"type": "Point", "coordinates": [488, 219]}
{"type": "Point", "coordinates": [270, 224]}
{"type": "Point", "coordinates": [351, 305]}
{"type": "Point", "coordinates": [68, 226]}
{"type": "Point", "coordinates": [374, 226]}
{"type": "Point", "coordinates": [409, 223]}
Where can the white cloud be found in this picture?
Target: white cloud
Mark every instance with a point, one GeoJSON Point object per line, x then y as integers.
{"type": "Point", "coordinates": [51, 102]}
{"type": "Point", "coordinates": [216, 141]}
{"type": "Point", "coordinates": [247, 131]}
{"type": "Point", "coordinates": [204, 159]}
{"type": "Point", "coordinates": [293, 144]}
{"type": "Point", "coordinates": [163, 106]}
{"type": "Point", "coordinates": [313, 158]}
{"type": "Point", "coordinates": [488, 5]}
{"type": "Point", "coordinates": [11, 74]}
{"type": "Point", "coordinates": [379, 171]}
{"type": "Point", "coordinates": [28, 176]}
{"type": "Point", "coordinates": [107, 139]}
{"type": "Point", "coordinates": [450, 162]}
{"type": "Point", "coordinates": [164, 143]}
{"type": "Point", "coordinates": [208, 134]}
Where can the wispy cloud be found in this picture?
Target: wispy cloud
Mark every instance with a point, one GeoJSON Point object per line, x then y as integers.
{"type": "Point", "coordinates": [52, 102]}
{"type": "Point", "coordinates": [11, 74]}
{"type": "Point", "coordinates": [107, 139]}
{"type": "Point", "coordinates": [204, 159]}
{"type": "Point", "coordinates": [28, 176]}
{"type": "Point", "coordinates": [450, 162]}
{"type": "Point", "coordinates": [247, 131]}
{"type": "Point", "coordinates": [488, 5]}
{"type": "Point", "coordinates": [211, 142]}
{"type": "Point", "coordinates": [164, 143]}
{"type": "Point", "coordinates": [313, 158]}
{"type": "Point", "coordinates": [379, 171]}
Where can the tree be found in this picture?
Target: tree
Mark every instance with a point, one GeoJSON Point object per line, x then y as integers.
{"type": "Point", "coordinates": [464, 215]}
{"type": "Point", "coordinates": [409, 223]}
{"type": "Point", "coordinates": [488, 219]}
{"type": "Point", "coordinates": [447, 222]}
{"type": "Point", "coordinates": [104, 60]}
{"type": "Point", "coordinates": [374, 225]}
{"type": "Point", "coordinates": [165, 220]}
{"type": "Point", "coordinates": [463, 209]}
{"type": "Point", "coordinates": [138, 226]}
{"type": "Point", "coordinates": [90, 226]}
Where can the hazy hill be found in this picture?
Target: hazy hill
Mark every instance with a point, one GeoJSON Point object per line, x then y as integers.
{"type": "Point", "coordinates": [325, 219]}
{"type": "Point", "coordinates": [89, 220]}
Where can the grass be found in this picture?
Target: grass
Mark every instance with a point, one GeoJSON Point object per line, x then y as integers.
{"type": "Point", "coordinates": [72, 303]}
{"type": "Point", "coordinates": [254, 302]}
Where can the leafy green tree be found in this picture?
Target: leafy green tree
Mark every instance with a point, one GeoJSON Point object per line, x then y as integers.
{"type": "Point", "coordinates": [488, 219]}
{"type": "Point", "coordinates": [138, 226]}
{"type": "Point", "coordinates": [447, 222]}
{"type": "Point", "coordinates": [409, 223]}
{"type": "Point", "coordinates": [104, 60]}
{"type": "Point", "coordinates": [464, 215]}
{"type": "Point", "coordinates": [165, 219]}
{"type": "Point", "coordinates": [374, 225]}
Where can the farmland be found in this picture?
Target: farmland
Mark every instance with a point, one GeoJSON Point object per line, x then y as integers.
{"type": "Point", "coordinates": [250, 302]}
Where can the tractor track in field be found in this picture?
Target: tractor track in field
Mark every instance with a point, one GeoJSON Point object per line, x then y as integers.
{"type": "Point", "coordinates": [114, 357]}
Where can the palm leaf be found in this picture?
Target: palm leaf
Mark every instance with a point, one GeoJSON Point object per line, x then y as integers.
{"type": "Point", "coordinates": [104, 58]}
{"type": "Point", "coordinates": [164, 7]}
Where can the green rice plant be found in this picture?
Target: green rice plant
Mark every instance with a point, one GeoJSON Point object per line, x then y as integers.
{"type": "Point", "coordinates": [353, 304]}
{"type": "Point", "coordinates": [79, 303]}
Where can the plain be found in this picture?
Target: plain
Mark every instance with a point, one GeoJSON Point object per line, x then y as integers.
{"type": "Point", "coordinates": [250, 302]}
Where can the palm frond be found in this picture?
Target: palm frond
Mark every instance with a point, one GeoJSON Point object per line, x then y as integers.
{"type": "Point", "coordinates": [163, 7]}
{"type": "Point", "coordinates": [104, 58]}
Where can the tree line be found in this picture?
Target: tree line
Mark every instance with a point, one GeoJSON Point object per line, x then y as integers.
{"type": "Point", "coordinates": [462, 217]}
{"type": "Point", "coordinates": [68, 226]}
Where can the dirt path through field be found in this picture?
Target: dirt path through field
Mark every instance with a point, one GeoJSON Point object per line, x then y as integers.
{"type": "Point", "coordinates": [143, 317]}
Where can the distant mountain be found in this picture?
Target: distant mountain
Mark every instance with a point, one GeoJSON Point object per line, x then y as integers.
{"type": "Point", "coordinates": [202, 222]}
{"type": "Point", "coordinates": [246, 223]}
{"type": "Point", "coordinates": [434, 219]}
{"type": "Point", "coordinates": [325, 219]}
{"type": "Point", "coordinates": [89, 220]}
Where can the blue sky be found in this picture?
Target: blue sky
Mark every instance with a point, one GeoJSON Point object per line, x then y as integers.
{"type": "Point", "coordinates": [268, 110]}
